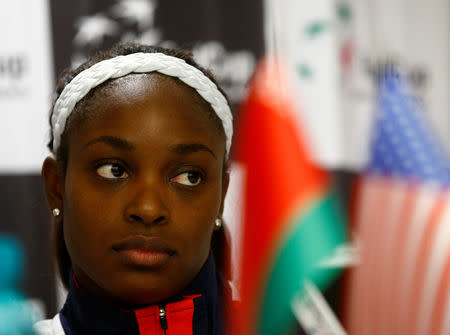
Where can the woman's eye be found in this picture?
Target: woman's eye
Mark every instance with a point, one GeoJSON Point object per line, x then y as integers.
{"type": "Point", "coordinates": [112, 171]}
{"type": "Point", "coordinates": [190, 178]}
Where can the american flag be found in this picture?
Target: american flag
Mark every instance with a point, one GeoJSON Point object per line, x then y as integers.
{"type": "Point", "coordinates": [401, 220]}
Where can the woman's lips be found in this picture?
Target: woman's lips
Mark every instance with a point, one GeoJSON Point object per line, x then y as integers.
{"type": "Point", "coordinates": [142, 251]}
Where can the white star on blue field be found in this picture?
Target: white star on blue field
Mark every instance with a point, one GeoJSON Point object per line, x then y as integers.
{"type": "Point", "coordinates": [404, 144]}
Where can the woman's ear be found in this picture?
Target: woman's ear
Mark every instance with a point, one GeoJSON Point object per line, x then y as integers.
{"type": "Point", "coordinates": [225, 184]}
{"type": "Point", "coordinates": [53, 183]}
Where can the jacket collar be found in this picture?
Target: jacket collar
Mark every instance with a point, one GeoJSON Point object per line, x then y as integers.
{"type": "Point", "coordinates": [84, 314]}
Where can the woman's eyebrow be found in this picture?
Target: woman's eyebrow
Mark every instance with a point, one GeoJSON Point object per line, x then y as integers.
{"type": "Point", "coordinates": [190, 148]}
{"type": "Point", "coordinates": [112, 141]}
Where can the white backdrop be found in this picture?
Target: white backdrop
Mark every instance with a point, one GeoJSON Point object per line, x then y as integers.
{"type": "Point", "coordinates": [333, 47]}
{"type": "Point", "coordinates": [414, 32]}
{"type": "Point", "coordinates": [25, 84]}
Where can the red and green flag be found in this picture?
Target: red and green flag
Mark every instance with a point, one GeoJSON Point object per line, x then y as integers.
{"type": "Point", "coordinates": [290, 220]}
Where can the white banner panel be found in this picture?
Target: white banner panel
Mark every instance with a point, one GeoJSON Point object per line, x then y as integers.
{"type": "Point", "coordinates": [428, 50]}
{"type": "Point", "coordinates": [25, 84]}
{"type": "Point", "coordinates": [304, 34]}
{"type": "Point", "coordinates": [411, 34]}
{"type": "Point", "coordinates": [335, 48]}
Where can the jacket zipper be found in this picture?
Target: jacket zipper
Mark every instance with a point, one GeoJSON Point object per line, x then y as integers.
{"type": "Point", "coordinates": [162, 318]}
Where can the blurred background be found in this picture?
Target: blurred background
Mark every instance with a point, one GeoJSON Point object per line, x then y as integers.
{"type": "Point", "coordinates": [333, 53]}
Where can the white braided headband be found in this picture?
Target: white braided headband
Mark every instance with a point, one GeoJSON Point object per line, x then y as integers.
{"type": "Point", "coordinates": [139, 63]}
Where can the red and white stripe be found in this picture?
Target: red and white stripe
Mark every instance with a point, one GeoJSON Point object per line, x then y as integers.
{"type": "Point", "coordinates": [402, 285]}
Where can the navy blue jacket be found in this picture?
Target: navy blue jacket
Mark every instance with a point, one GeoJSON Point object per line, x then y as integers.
{"type": "Point", "coordinates": [197, 311]}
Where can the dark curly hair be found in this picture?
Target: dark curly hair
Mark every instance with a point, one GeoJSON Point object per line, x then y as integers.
{"type": "Point", "coordinates": [220, 241]}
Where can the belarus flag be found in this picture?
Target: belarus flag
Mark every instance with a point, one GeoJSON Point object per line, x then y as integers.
{"type": "Point", "coordinates": [290, 220]}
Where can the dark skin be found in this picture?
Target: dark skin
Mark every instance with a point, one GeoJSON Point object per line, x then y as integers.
{"type": "Point", "coordinates": [148, 163]}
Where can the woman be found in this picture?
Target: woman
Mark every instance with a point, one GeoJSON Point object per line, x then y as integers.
{"type": "Point", "coordinates": [141, 137]}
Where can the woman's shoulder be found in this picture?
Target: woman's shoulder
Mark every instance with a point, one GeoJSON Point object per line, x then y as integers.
{"type": "Point", "coordinates": [49, 327]}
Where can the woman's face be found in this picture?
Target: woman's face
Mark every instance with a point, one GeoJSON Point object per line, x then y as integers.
{"type": "Point", "coordinates": [143, 186]}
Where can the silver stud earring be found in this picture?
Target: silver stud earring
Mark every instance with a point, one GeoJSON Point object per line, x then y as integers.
{"type": "Point", "coordinates": [56, 212]}
{"type": "Point", "coordinates": [218, 223]}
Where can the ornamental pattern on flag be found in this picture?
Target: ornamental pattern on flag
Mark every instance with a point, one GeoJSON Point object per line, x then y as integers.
{"type": "Point", "coordinates": [291, 220]}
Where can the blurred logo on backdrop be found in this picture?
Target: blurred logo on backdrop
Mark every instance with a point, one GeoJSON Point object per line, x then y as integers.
{"type": "Point", "coordinates": [14, 73]}
{"type": "Point", "coordinates": [25, 85]}
{"type": "Point", "coordinates": [367, 62]}
{"type": "Point", "coordinates": [135, 20]}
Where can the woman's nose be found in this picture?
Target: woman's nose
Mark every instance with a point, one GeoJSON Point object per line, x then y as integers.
{"type": "Point", "coordinates": [146, 206]}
